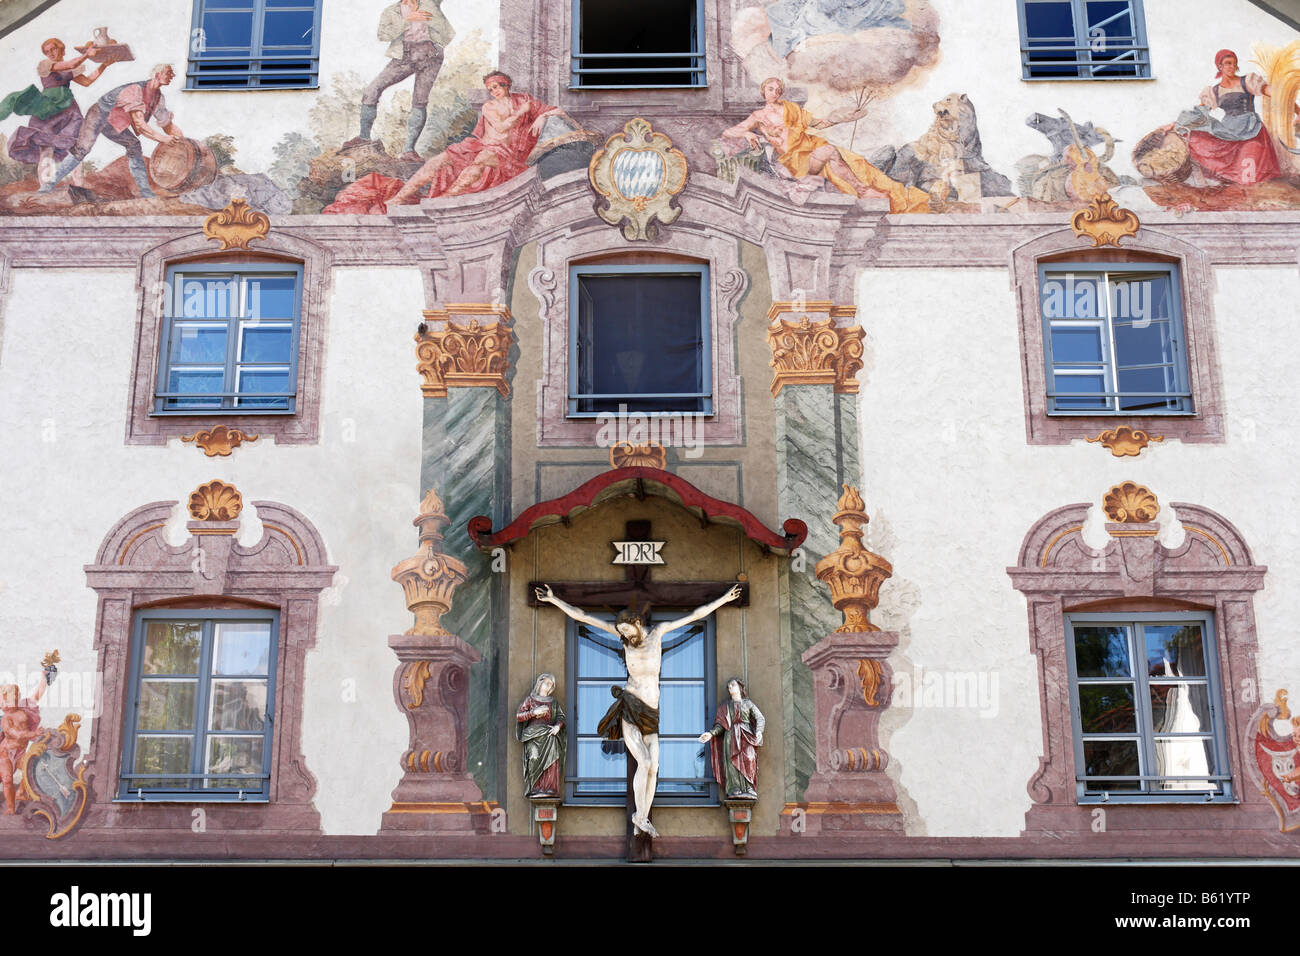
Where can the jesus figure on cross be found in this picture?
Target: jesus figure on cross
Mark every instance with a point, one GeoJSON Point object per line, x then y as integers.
{"type": "Point", "coordinates": [634, 715]}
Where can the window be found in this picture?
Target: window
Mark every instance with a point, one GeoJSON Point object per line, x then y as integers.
{"type": "Point", "coordinates": [1113, 341]}
{"type": "Point", "coordinates": [254, 44]}
{"type": "Point", "coordinates": [1083, 39]}
{"type": "Point", "coordinates": [229, 340]}
{"type": "Point", "coordinates": [637, 340]}
{"type": "Point", "coordinates": [620, 44]}
{"type": "Point", "coordinates": [201, 693]}
{"type": "Point", "coordinates": [1147, 718]}
{"type": "Point", "coordinates": [686, 708]}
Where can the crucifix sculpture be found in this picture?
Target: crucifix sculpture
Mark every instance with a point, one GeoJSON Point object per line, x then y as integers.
{"type": "Point", "coordinates": [634, 716]}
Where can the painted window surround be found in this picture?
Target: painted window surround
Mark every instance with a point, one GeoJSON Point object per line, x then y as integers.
{"type": "Point", "coordinates": [1196, 278]}
{"type": "Point", "coordinates": [726, 285]}
{"type": "Point", "coordinates": [136, 569]}
{"type": "Point", "coordinates": [1212, 570]}
{"type": "Point", "coordinates": [300, 428]}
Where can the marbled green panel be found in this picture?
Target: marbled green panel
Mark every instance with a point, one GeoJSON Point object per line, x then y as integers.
{"type": "Point", "coordinates": [817, 448]}
{"type": "Point", "coordinates": [463, 459]}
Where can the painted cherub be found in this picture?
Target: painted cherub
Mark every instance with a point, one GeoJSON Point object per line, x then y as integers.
{"type": "Point", "coordinates": [19, 726]}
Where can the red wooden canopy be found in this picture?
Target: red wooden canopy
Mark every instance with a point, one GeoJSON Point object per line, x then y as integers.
{"type": "Point", "coordinates": [638, 482]}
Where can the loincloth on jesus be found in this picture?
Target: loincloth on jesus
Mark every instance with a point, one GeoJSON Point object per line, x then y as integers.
{"type": "Point", "coordinates": [631, 708]}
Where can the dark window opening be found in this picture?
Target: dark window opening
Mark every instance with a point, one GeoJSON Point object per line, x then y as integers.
{"type": "Point", "coordinates": [631, 43]}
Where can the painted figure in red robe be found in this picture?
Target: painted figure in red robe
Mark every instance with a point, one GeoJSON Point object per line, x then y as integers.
{"type": "Point", "coordinates": [734, 740]}
{"type": "Point", "coordinates": [508, 128]}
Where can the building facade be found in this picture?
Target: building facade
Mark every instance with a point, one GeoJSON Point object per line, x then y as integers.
{"type": "Point", "coordinates": [402, 319]}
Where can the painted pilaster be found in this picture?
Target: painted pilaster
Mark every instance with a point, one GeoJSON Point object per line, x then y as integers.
{"type": "Point", "coordinates": [814, 360]}
{"type": "Point", "coordinates": [464, 456]}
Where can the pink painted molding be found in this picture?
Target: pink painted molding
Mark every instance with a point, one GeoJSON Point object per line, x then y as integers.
{"type": "Point", "coordinates": [303, 427]}
{"type": "Point", "coordinates": [1197, 278]}
{"type": "Point", "coordinates": [850, 790]}
{"type": "Point", "coordinates": [1213, 568]}
{"type": "Point", "coordinates": [136, 567]}
{"type": "Point", "coordinates": [431, 686]}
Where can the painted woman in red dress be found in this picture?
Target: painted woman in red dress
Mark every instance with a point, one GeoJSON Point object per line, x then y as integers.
{"type": "Point", "coordinates": [1237, 148]}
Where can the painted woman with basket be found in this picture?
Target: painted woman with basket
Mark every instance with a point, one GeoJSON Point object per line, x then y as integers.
{"type": "Point", "coordinates": [1237, 148]}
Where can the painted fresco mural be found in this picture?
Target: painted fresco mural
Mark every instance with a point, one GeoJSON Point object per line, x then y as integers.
{"type": "Point", "coordinates": [437, 119]}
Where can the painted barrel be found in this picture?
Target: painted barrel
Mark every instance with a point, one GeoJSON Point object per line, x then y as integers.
{"type": "Point", "coordinates": [181, 165]}
{"type": "Point", "coordinates": [1163, 156]}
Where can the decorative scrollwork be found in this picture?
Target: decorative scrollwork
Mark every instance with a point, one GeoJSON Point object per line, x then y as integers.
{"type": "Point", "coordinates": [215, 501]}
{"type": "Point", "coordinates": [237, 225]}
{"type": "Point", "coordinates": [1125, 440]}
{"type": "Point", "coordinates": [638, 173]}
{"type": "Point", "coordinates": [219, 440]}
{"type": "Point", "coordinates": [853, 573]}
{"type": "Point", "coordinates": [1130, 503]}
{"type": "Point", "coordinates": [1105, 222]}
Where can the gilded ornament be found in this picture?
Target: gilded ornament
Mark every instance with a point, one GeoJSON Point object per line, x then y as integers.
{"type": "Point", "coordinates": [237, 225]}
{"type": "Point", "coordinates": [872, 675]}
{"type": "Point", "coordinates": [215, 501]}
{"type": "Point", "coordinates": [417, 675]}
{"type": "Point", "coordinates": [219, 440]}
{"type": "Point", "coordinates": [1125, 440]}
{"type": "Point", "coordinates": [1104, 222]}
{"type": "Point", "coordinates": [626, 455]}
{"type": "Point", "coordinates": [638, 172]}
{"type": "Point", "coordinates": [815, 353]}
{"type": "Point", "coordinates": [1130, 503]}
{"type": "Point", "coordinates": [853, 573]}
{"type": "Point", "coordinates": [429, 578]}
{"type": "Point", "coordinates": [465, 356]}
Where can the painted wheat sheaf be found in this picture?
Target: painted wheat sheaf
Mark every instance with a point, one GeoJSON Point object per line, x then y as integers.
{"type": "Point", "coordinates": [638, 173]}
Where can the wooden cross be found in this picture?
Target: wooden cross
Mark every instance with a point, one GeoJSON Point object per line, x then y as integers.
{"type": "Point", "coordinates": [635, 590]}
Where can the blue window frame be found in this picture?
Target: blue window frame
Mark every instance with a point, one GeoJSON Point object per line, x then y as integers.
{"type": "Point", "coordinates": [255, 44]}
{"type": "Point", "coordinates": [637, 44]}
{"type": "Point", "coordinates": [597, 769]}
{"type": "Point", "coordinates": [1114, 340]}
{"type": "Point", "coordinates": [1083, 39]}
{"type": "Point", "coordinates": [1146, 705]}
{"type": "Point", "coordinates": [639, 340]}
{"type": "Point", "coordinates": [230, 340]}
{"type": "Point", "coordinates": [200, 706]}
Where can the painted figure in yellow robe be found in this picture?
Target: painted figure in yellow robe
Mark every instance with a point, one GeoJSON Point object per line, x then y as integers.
{"type": "Point", "coordinates": [787, 127]}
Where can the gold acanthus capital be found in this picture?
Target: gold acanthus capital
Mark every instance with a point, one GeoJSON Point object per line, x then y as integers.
{"type": "Point", "coordinates": [464, 355]}
{"type": "Point", "coordinates": [805, 352]}
{"type": "Point", "coordinates": [853, 573]}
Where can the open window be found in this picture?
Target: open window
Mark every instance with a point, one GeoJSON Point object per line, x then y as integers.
{"type": "Point", "coordinates": [626, 44]}
{"type": "Point", "coordinates": [1113, 340]}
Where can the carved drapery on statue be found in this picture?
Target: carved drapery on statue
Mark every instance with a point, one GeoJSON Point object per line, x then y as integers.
{"type": "Point", "coordinates": [431, 686]}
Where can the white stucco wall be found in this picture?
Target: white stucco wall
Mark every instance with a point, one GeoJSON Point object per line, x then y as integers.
{"type": "Point", "coordinates": [952, 489]}
{"type": "Point", "coordinates": [64, 372]}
